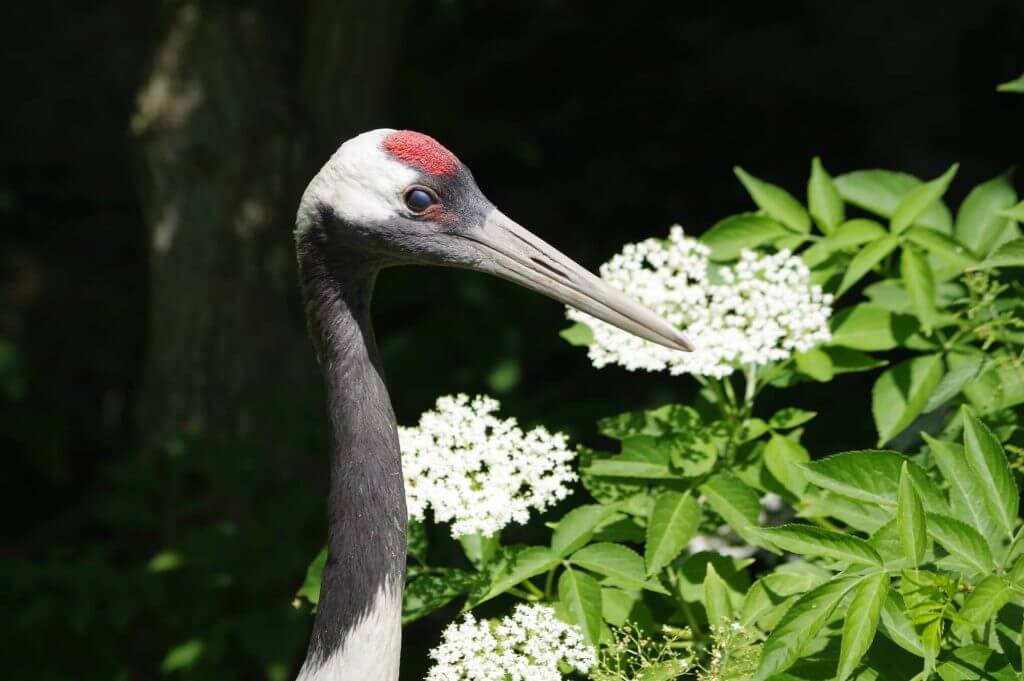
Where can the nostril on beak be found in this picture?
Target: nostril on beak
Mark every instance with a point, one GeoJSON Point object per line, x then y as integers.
{"type": "Point", "coordinates": [549, 267]}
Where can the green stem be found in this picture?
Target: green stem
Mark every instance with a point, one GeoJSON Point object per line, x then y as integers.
{"type": "Point", "coordinates": [532, 588]}
{"type": "Point", "coordinates": [549, 584]}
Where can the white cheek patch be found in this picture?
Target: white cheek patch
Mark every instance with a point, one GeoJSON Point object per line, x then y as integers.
{"type": "Point", "coordinates": [372, 649]}
{"type": "Point", "coordinates": [360, 182]}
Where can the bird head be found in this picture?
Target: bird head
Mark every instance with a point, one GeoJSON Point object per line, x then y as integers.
{"type": "Point", "coordinates": [400, 197]}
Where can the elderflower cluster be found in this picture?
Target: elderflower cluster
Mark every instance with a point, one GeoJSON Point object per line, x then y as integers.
{"type": "Point", "coordinates": [529, 645]}
{"type": "Point", "coordinates": [479, 472]}
{"type": "Point", "coordinates": [760, 310]}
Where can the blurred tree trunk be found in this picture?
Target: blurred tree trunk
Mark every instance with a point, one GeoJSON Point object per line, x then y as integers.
{"type": "Point", "coordinates": [243, 102]}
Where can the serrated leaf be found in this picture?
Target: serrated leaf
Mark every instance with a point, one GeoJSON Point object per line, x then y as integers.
{"type": "Point", "coordinates": [966, 496]}
{"type": "Point", "coordinates": [672, 523]}
{"type": "Point", "coordinates": [979, 223]}
{"type": "Point", "coordinates": [736, 502]}
{"type": "Point", "coordinates": [823, 198]}
{"type": "Point", "coordinates": [729, 237]}
{"type": "Point", "coordinates": [901, 393]}
{"type": "Point", "coordinates": [910, 520]}
{"type": "Point", "coordinates": [806, 540]}
{"type": "Point", "coordinates": [790, 417]}
{"type": "Point", "coordinates": [897, 628]}
{"type": "Point", "coordinates": [861, 622]}
{"type": "Point", "coordinates": [847, 235]}
{"type": "Point", "coordinates": [848, 361]}
{"type": "Point", "coordinates": [428, 591]}
{"type": "Point", "coordinates": [622, 565]}
{"type": "Point", "coordinates": [947, 249]}
{"type": "Point", "coordinates": [479, 549]}
{"type": "Point", "coordinates": [866, 475]}
{"type": "Point", "coordinates": [517, 565]}
{"type": "Point", "coordinates": [800, 625]}
{"type": "Point", "coordinates": [643, 456]}
{"type": "Point", "coordinates": [954, 380]}
{"type": "Point", "coordinates": [577, 526]}
{"type": "Point", "coordinates": [982, 604]}
{"type": "Point", "coordinates": [814, 363]}
{"type": "Point", "coordinates": [881, 191]}
{"type": "Point", "coordinates": [717, 600]}
{"type": "Point", "coordinates": [772, 591]}
{"type": "Point", "coordinates": [987, 462]}
{"type": "Point", "coordinates": [919, 281]}
{"type": "Point", "coordinates": [866, 259]}
{"type": "Point", "coordinates": [1010, 254]}
{"type": "Point", "coordinates": [870, 327]}
{"type": "Point", "coordinates": [784, 457]}
{"type": "Point", "coordinates": [962, 541]}
{"type": "Point", "coordinates": [580, 594]}
{"type": "Point", "coordinates": [976, 663]}
{"type": "Point", "coordinates": [919, 199]}
{"type": "Point", "coordinates": [579, 334]}
{"type": "Point", "coordinates": [776, 202]}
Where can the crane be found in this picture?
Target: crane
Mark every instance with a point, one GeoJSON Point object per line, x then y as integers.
{"type": "Point", "coordinates": [392, 197]}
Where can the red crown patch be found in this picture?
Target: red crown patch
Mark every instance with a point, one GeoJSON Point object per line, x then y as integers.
{"type": "Point", "coordinates": [422, 152]}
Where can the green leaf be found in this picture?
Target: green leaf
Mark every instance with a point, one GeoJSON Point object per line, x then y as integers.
{"type": "Point", "coordinates": [955, 380]}
{"type": "Point", "coordinates": [987, 462]}
{"type": "Point", "coordinates": [425, 592]}
{"type": "Point", "coordinates": [716, 597]}
{"type": "Point", "coordinates": [478, 548]}
{"type": "Point", "coordinates": [897, 628]}
{"type": "Point", "coordinates": [729, 237]}
{"type": "Point", "coordinates": [847, 235]}
{"type": "Point", "coordinates": [737, 503]}
{"type": "Point", "coordinates": [978, 222]}
{"type": "Point", "coordinates": [976, 663]}
{"type": "Point", "coordinates": [516, 565]}
{"type": "Point", "coordinates": [815, 363]}
{"type": "Point", "coordinates": [417, 541]}
{"type": "Point", "coordinates": [962, 541]}
{"type": "Point", "coordinates": [619, 564]}
{"type": "Point", "coordinates": [943, 247]}
{"type": "Point", "coordinates": [847, 361]}
{"type": "Point", "coordinates": [799, 626]}
{"type": "Point", "coordinates": [581, 595]}
{"type": "Point", "coordinates": [917, 200]}
{"type": "Point", "coordinates": [1015, 213]}
{"type": "Point", "coordinates": [867, 475]}
{"type": "Point", "coordinates": [920, 283]}
{"type": "Point", "coordinates": [643, 456]}
{"type": "Point", "coordinates": [866, 259]}
{"type": "Point", "coordinates": [673, 522]}
{"type": "Point", "coordinates": [784, 458]}
{"type": "Point", "coordinates": [823, 198]}
{"type": "Point", "coordinates": [806, 540]}
{"type": "Point", "coordinates": [310, 589]}
{"type": "Point", "coordinates": [901, 393]}
{"type": "Point", "coordinates": [870, 327]}
{"type": "Point", "coordinates": [790, 417]}
{"type": "Point", "coordinates": [1012, 85]}
{"type": "Point", "coordinates": [1010, 254]}
{"type": "Point", "coordinates": [183, 656]}
{"type": "Point", "coordinates": [861, 622]}
{"type": "Point", "coordinates": [982, 604]}
{"type": "Point", "coordinates": [910, 520]}
{"type": "Point", "coordinates": [966, 493]}
{"type": "Point", "coordinates": [776, 202]}
{"type": "Point", "coordinates": [579, 334]}
{"type": "Point", "coordinates": [881, 191]}
{"type": "Point", "coordinates": [768, 597]}
{"type": "Point", "coordinates": [619, 607]}
{"type": "Point", "coordinates": [577, 526]}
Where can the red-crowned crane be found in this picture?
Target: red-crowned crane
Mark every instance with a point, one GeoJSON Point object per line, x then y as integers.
{"type": "Point", "coordinates": [389, 198]}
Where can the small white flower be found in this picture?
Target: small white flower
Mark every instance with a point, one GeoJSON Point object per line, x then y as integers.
{"type": "Point", "coordinates": [479, 472]}
{"type": "Point", "coordinates": [760, 310]}
{"type": "Point", "coordinates": [526, 646]}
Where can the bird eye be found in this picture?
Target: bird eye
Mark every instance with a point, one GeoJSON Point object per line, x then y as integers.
{"type": "Point", "coordinates": [419, 200]}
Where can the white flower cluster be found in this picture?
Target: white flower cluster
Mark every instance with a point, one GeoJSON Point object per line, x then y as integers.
{"type": "Point", "coordinates": [479, 472]}
{"type": "Point", "coordinates": [760, 310]}
{"type": "Point", "coordinates": [527, 646]}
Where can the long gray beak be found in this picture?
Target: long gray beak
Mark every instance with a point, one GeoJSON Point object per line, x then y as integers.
{"type": "Point", "coordinates": [511, 252]}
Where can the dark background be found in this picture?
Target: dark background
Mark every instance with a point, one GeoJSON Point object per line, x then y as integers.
{"type": "Point", "coordinates": [592, 124]}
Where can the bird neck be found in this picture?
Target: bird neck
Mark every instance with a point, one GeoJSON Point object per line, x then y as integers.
{"type": "Point", "coordinates": [357, 630]}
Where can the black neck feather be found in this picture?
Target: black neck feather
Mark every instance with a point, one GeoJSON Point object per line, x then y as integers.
{"type": "Point", "coordinates": [366, 505]}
